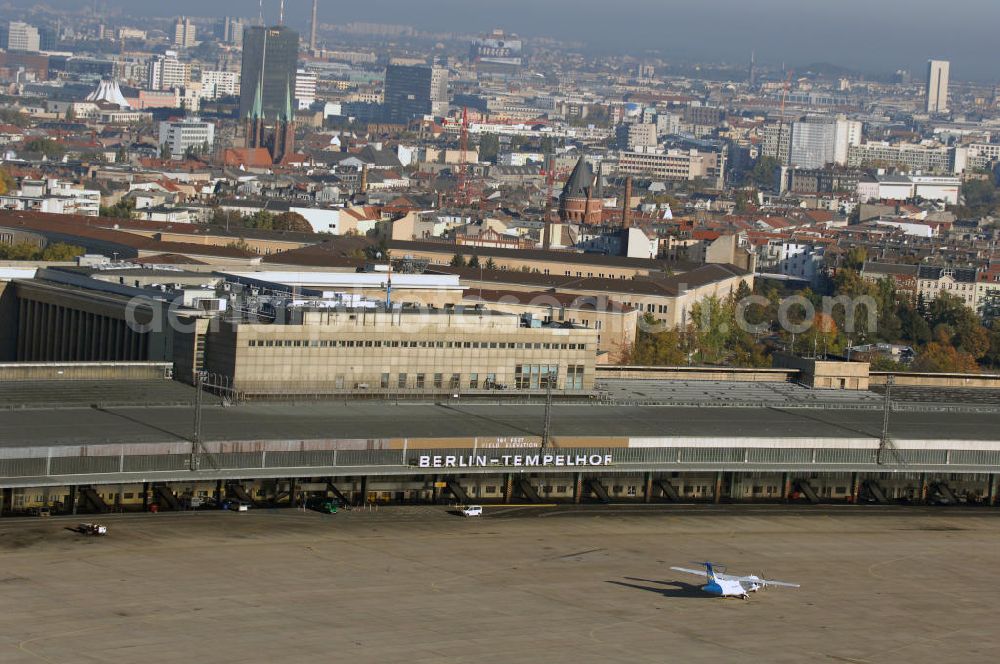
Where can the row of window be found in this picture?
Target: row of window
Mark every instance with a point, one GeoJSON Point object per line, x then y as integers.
{"type": "Point", "coordinates": [350, 343]}
{"type": "Point", "coordinates": [952, 286]}
{"type": "Point", "coordinates": [569, 273]}
{"type": "Point", "coordinates": [562, 488]}
{"type": "Point", "coordinates": [545, 376]}
{"type": "Point", "coordinates": [527, 377]}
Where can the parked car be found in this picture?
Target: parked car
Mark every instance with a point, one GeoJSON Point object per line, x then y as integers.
{"type": "Point", "coordinates": [472, 510]}
{"type": "Point", "coordinates": [324, 505]}
{"type": "Point", "coordinates": [93, 529]}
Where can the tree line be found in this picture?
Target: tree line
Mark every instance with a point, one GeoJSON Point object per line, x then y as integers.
{"type": "Point", "coordinates": [26, 251]}
{"type": "Point", "coordinates": [945, 334]}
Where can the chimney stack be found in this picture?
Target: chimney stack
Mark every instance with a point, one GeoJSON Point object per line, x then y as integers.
{"type": "Point", "coordinates": [312, 36]}
{"type": "Point", "coordinates": [627, 204]}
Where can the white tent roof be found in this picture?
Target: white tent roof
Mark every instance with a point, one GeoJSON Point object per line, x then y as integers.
{"type": "Point", "coordinates": [110, 92]}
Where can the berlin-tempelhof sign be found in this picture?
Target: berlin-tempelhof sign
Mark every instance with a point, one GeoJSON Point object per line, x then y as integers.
{"type": "Point", "coordinates": [514, 460]}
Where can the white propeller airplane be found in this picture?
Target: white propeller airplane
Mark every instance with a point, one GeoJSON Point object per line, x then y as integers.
{"type": "Point", "coordinates": [730, 585]}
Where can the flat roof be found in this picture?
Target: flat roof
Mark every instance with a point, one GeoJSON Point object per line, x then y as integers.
{"type": "Point", "coordinates": [329, 419]}
{"type": "Point", "coordinates": [326, 280]}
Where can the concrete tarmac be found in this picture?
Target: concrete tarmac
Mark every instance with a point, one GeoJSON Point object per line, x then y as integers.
{"type": "Point", "coordinates": [420, 584]}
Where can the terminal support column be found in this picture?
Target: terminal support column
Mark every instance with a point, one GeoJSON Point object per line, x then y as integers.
{"type": "Point", "coordinates": [508, 488]}
{"type": "Point", "coordinates": [647, 495]}
{"type": "Point", "coordinates": [923, 487]}
{"type": "Point", "coordinates": [994, 487]}
{"type": "Point", "coordinates": [717, 494]}
{"type": "Point", "coordinates": [364, 491]}
{"type": "Point", "coordinates": [145, 496]}
{"type": "Point", "coordinates": [72, 500]}
{"type": "Point", "coordinates": [578, 488]}
{"type": "Point", "coordinates": [786, 492]}
{"type": "Point", "coordinates": [855, 488]}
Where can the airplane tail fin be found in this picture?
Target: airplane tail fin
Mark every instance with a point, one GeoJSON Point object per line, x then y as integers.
{"type": "Point", "coordinates": [710, 571]}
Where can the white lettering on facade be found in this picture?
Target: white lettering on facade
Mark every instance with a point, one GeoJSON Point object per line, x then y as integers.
{"type": "Point", "coordinates": [516, 461]}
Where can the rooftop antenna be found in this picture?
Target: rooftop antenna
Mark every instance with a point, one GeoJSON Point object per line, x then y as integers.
{"type": "Point", "coordinates": [547, 423]}
{"type": "Point", "coordinates": [281, 13]}
{"type": "Point", "coordinates": [260, 15]}
{"type": "Point", "coordinates": [199, 386]}
{"type": "Point", "coordinates": [887, 450]}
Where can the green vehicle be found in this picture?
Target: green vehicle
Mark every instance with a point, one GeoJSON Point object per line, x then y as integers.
{"type": "Point", "coordinates": [324, 505]}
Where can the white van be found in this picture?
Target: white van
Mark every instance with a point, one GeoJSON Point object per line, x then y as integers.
{"type": "Point", "coordinates": [473, 510]}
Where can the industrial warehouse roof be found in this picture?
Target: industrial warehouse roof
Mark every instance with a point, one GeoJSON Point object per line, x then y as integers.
{"type": "Point", "coordinates": [890, 268]}
{"type": "Point", "coordinates": [554, 256]}
{"type": "Point", "coordinates": [544, 298]}
{"type": "Point", "coordinates": [320, 280]}
{"type": "Point", "coordinates": [660, 285]}
{"type": "Point", "coordinates": [92, 231]}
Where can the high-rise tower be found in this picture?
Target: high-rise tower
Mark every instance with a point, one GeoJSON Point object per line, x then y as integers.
{"type": "Point", "coordinates": [937, 86]}
{"type": "Point", "coordinates": [267, 89]}
{"type": "Point", "coordinates": [270, 56]}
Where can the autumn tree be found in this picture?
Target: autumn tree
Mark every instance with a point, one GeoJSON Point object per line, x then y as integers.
{"type": "Point", "coordinates": [489, 147]}
{"type": "Point", "coordinates": [993, 354]}
{"type": "Point", "coordinates": [822, 336]}
{"type": "Point", "coordinates": [656, 346]}
{"type": "Point", "coordinates": [26, 251]}
{"type": "Point", "coordinates": [855, 258]}
{"type": "Point", "coordinates": [45, 146]}
{"type": "Point", "coordinates": [763, 173]}
{"type": "Point", "coordinates": [123, 209]}
{"type": "Point", "coordinates": [938, 357]}
{"type": "Point", "coordinates": [21, 251]}
{"type": "Point", "coordinates": [61, 252]}
{"type": "Point", "coordinates": [7, 182]}
{"type": "Point", "coordinates": [714, 320]}
{"type": "Point", "coordinates": [292, 221]}
{"type": "Point", "coordinates": [954, 323]}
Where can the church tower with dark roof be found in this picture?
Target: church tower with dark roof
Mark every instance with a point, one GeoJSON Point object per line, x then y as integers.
{"type": "Point", "coordinates": [582, 199]}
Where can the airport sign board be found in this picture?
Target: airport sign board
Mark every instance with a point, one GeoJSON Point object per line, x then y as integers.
{"type": "Point", "coordinates": [540, 460]}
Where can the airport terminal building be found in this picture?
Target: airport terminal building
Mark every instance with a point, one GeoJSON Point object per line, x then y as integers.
{"type": "Point", "coordinates": [374, 350]}
{"type": "Point", "coordinates": [72, 441]}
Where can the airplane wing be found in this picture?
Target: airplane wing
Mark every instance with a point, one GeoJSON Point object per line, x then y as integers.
{"type": "Point", "coordinates": [698, 572]}
{"type": "Point", "coordinates": [783, 584]}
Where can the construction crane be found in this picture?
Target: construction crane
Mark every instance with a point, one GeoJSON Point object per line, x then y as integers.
{"type": "Point", "coordinates": [550, 181]}
{"type": "Point", "coordinates": [784, 93]}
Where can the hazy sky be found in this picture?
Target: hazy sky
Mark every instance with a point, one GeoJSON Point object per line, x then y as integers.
{"type": "Point", "coordinates": [876, 35]}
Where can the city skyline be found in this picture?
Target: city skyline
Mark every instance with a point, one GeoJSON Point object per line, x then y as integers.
{"type": "Point", "coordinates": [852, 34]}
